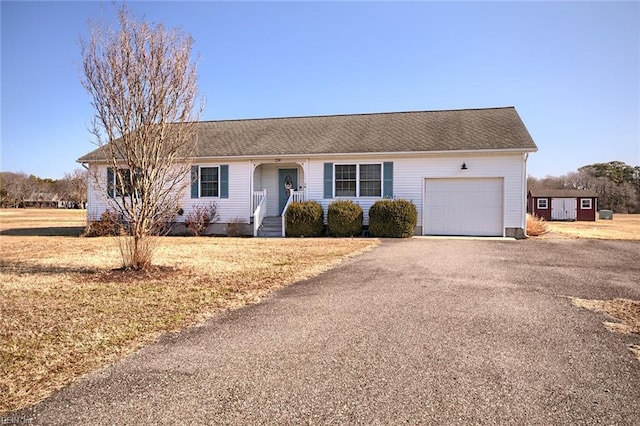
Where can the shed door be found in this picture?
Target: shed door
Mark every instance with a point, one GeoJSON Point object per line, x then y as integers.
{"type": "Point", "coordinates": [463, 207]}
{"type": "Point", "coordinates": [564, 208]}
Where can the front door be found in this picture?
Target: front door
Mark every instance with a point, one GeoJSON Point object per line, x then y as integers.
{"type": "Point", "coordinates": [288, 181]}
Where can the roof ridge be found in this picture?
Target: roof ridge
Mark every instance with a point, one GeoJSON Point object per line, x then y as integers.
{"type": "Point", "coordinates": [353, 115]}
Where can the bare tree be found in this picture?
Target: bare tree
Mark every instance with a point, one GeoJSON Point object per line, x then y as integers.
{"type": "Point", "coordinates": [14, 189]}
{"type": "Point", "coordinates": [73, 187]}
{"type": "Point", "coordinates": [143, 86]}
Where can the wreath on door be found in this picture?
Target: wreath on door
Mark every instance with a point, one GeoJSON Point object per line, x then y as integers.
{"type": "Point", "coordinates": [288, 185]}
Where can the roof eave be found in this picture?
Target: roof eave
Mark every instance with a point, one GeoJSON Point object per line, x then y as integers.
{"type": "Point", "coordinates": [83, 160]}
{"type": "Point", "coordinates": [377, 154]}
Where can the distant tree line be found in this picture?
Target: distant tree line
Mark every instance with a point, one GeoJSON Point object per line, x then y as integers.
{"type": "Point", "coordinates": [21, 190]}
{"type": "Point", "coordinates": [617, 184]}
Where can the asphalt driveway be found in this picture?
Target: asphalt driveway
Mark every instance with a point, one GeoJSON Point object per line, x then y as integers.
{"type": "Point", "coordinates": [418, 331]}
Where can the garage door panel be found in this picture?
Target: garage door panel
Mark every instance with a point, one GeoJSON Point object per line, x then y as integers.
{"type": "Point", "coordinates": [463, 207]}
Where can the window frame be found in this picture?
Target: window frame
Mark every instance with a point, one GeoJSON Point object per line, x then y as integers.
{"type": "Point", "coordinates": [582, 207]}
{"type": "Point", "coordinates": [380, 180]}
{"type": "Point", "coordinates": [335, 179]}
{"type": "Point", "coordinates": [113, 189]}
{"type": "Point", "coordinates": [200, 182]}
{"type": "Point", "coordinates": [546, 204]}
{"type": "Point", "coordinates": [358, 180]}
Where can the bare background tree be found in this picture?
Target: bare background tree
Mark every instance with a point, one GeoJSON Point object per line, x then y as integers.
{"type": "Point", "coordinates": [14, 189]}
{"type": "Point", "coordinates": [19, 190]}
{"type": "Point", "coordinates": [73, 187]}
{"type": "Point", "coordinates": [143, 86]}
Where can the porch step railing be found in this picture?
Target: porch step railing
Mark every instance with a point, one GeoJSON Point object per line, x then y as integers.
{"type": "Point", "coordinates": [259, 209]}
{"type": "Point", "coordinates": [297, 196]}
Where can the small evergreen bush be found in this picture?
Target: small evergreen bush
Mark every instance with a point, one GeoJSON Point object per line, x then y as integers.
{"type": "Point", "coordinates": [304, 219]}
{"type": "Point", "coordinates": [344, 219]}
{"type": "Point", "coordinates": [392, 218]}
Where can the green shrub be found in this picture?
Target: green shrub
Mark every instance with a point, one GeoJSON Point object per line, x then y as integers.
{"type": "Point", "coordinates": [304, 219]}
{"type": "Point", "coordinates": [392, 218]}
{"type": "Point", "coordinates": [344, 219]}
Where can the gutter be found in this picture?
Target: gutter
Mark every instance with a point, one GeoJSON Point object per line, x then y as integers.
{"type": "Point", "coordinates": [524, 193]}
{"type": "Point", "coordinates": [352, 154]}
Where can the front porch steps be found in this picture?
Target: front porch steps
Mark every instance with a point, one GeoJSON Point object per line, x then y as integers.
{"type": "Point", "coordinates": [271, 227]}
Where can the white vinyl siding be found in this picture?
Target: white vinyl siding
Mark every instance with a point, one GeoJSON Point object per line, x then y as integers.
{"type": "Point", "coordinates": [409, 173]}
{"type": "Point", "coordinates": [238, 205]}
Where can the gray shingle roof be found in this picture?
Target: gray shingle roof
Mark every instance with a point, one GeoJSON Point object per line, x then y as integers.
{"type": "Point", "coordinates": [421, 131]}
{"type": "Point", "coordinates": [563, 193]}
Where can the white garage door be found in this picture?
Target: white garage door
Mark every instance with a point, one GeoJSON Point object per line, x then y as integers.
{"type": "Point", "coordinates": [463, 207]}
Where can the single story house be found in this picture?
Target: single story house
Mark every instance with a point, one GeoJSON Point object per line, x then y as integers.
{"type": "Point", "coordinates": [45, 200]}
{"type": "Point", "coordinates": [465, 170]}
{"type": "Point", "coordinates": [563, 204]}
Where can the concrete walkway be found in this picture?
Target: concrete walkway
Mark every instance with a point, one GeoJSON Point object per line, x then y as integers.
{"type": "Point", "coordinates": [417, 331]}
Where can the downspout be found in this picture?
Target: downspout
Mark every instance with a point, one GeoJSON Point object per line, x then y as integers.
{"type": "Point", "coordinates": [524, 194]}
{"type": "Point", "coordinates": [88, 183]}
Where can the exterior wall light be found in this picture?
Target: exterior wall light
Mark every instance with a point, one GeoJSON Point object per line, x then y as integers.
{"type": "Point", "coordinates": [464, 166]}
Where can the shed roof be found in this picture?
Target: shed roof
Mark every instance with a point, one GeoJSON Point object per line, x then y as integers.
{"type": "Point", "coordinates": [418, 131]}
{"type": "Point", "coordinates": [563, 193]}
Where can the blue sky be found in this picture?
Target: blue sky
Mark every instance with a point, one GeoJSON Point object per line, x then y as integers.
{"type": "Point", "coordinates": [571, 69]}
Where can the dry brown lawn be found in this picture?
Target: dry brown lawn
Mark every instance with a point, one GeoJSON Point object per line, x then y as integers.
{"type": "Point", "coordinates": [624, 312]}
{"type": "Point", "coordinates": [39, 222]}
{"type": "Point", "coordinates": [65, 310]}
{"type": "Point", "coordinates": [622, 227]}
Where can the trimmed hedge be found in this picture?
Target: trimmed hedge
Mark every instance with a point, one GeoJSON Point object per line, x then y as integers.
{"type": "Point", "coordinates": [392, 218]}
{"type": "Point", "coordinates": [304, 219]}
{"type": "Point", "coordinates": [344, 219]}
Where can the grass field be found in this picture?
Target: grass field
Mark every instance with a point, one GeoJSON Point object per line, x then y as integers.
{"type": "Point", "coordinates": [65, 310]}
{"type": "Point", "coordinates": [622, 227]}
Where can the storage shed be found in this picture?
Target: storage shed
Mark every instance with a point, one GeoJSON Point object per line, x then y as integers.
{"type": "Point", "coordinates": [563, 204]}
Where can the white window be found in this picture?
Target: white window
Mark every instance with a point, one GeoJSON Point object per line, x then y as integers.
{"type": "Point", "coordinates": [209, 181]}
{"type": "Point", "coordinates": [585, 203]}
{"type": "Point", "coordinates": [358, 180]}
{"type": "Point", "coordinates": [543, 203]}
